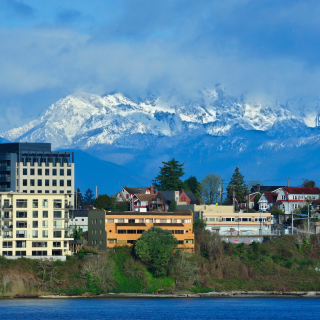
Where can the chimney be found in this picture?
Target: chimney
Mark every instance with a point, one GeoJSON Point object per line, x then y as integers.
{"type": "Point", "coordinates": [258, 187]}
{"type": "Point", "coordinates": [182, 190]}
{"type": "Point", "coordinates": [152, 190]}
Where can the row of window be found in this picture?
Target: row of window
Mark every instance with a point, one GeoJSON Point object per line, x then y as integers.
{"type": "Point", "coordinates": [23, 203]}
{"type": "Point", "coordinates": [34, 253]}
{"type": "Point", "coordinates": [46, 183]}
{"type": "Point", "coordinates": [148, 221]}
{"type": "Point", "coordinates": [23, 234]}
{"type": "Point", "coordinates": [114, 241]}
{"type": "Point", "coordinates": [23, 224]}
{"type": "Point", "coordinates": [35, 244]}
{"type": "Point", "coordinates": [35, 215]}
{"type": "Point", "coordinates": [46, 191]}
{"type": "Point", "coordinates": [236, 219]}
{"type": "Point", "coordinates": [141, 231]}
{"type": "Point", "coordinates": [46, 172]}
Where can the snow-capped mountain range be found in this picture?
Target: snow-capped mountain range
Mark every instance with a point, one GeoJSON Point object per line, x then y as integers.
{"type": "Point", "coordinates": [85, 120]}
{"type": "Point", "coordinates": [214, 129]}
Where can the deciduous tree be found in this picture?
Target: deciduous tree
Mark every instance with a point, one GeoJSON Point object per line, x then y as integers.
{"type": "Point", "coordinates": [210, 188]}
{"type": "Point", "coordinates": [155, 247]}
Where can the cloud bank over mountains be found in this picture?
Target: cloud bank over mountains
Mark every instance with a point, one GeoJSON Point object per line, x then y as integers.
{"type": "Point", "coordinates": [264, 49]}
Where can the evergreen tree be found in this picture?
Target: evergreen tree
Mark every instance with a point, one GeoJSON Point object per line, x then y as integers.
{"type": "Point", "coordinates": [88, 197]}
{"type": "Point", "coordinates": [240, 188]}
{"type": "Point", "coordinates": [193, 185]}
{"type": "Point", "coordinates": [103, 202]}
{"type": "Point", "coordinates": [169, 176]}
{"type": "Point", "coordinates": [173, 205]}
{"type": "Point", "coordinates": [78, 199]}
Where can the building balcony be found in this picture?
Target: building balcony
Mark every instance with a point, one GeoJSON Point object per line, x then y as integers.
{"type": "Point", "coordinates": [7, 227]}
{"type": "Point", "coordinates": [7, 217]}
{"type": "Point", "coordinates": [7, 207]}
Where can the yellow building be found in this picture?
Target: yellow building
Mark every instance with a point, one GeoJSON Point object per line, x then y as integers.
{"type": "Point", "coordinates": [223, 220]}
{"type": "Point", "coordinates": [34, 225]}
{"type": "Point", "coordinates": [124, 228]}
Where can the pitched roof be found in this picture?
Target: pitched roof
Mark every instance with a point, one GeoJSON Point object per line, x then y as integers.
{"type": "Point", "coordinates": [136, 190]}
{"type": "Point", "coordinates": [168, 195]}
{"type": "Point", "coordinates": [317, 202]}
{"type": "Point", "coordinates": [292, 190]}
{"type": "Point", "coordinates": [145, 197]}
{"type": "Point", "coordinates": [264, 188]}
{"type": "Point", "coordinates": [271, 196]}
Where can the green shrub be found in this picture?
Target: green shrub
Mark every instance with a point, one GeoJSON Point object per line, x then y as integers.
{"type": "Point", "coordinates": [264, 252]}
{"type": "Point", "coordinates": [255, 246]}
{"type": "Point", "coordinates": [288, 264]}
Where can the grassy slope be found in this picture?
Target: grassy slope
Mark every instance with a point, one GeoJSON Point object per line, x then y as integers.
{"type": "Point", "coordinates": [277, 265]}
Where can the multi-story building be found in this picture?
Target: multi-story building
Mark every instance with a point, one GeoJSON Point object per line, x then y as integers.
{"type": "Point", "coordinates": [34, 225]}
{"type": "Point", "coordinates": [109, 229]}
{"type": "Point", "coordinates": [222, 220]}
{"type": "Point", "coordinates": [34, 168]}
{"type": "Point", "coordinates": [78, 218]}
{"type": "Point", "coordinates": [290, 198]}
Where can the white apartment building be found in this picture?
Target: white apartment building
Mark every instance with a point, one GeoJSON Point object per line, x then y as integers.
{"type": "Point", "coordinates": [34, 225]}
{"type": "Point", "coordinates": [34, 168]}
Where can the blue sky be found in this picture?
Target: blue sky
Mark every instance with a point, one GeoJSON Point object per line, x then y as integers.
{"type": "Point", "coordinates": [267, 49]}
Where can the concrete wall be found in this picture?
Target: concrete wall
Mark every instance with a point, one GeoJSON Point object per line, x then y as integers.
{"type": "Point", "coordinates": [97, 236]}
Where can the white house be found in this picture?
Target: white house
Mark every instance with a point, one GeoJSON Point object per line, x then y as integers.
{"type": "Point", "coordinates": [127, 193]}
{"type": "Point", "coordinates": [290, 199]}
{"type": "Point", "coordinates": [266, 201]}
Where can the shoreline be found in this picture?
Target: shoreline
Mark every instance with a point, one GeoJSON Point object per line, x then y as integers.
{"type": "Point", "coordinates": [226, 294]}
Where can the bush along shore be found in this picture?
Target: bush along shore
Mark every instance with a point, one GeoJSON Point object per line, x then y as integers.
{"type": "Point", "coordinates": [153, 266]}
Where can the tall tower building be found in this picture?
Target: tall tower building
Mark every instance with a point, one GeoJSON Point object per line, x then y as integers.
{"type": "Point", "coordinates": [34, 168]}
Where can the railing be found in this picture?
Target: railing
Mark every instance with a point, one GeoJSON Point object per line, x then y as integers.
{"type": "Point", "coordinates": [22, 245]}
{"type": "Point", "coordinates": [6, 226]}
{"type": "Point", "coordinates": [7, 216]}
{"type": "Point", "coordinates": [5, 206]}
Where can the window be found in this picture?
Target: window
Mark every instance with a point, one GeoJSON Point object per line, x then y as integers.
{"type": "Point", "coordinates": [31, 191]}
{"type": "Point", "coordinates": [57, 215]}
{"type": "Point", "coordinates": [46, 183]}
{"type": "Point", "coordinates": [61, 172]}
{"type": "Point", "coordinates": [101, 231]}
{"type": "Point", "coordinates": [180, 242]}
{"type": "Point", "coordinates": [245, 219]}
{"type": "Point", "coordinates": [34, 224]}
{"type": "Point", "coordinates": [39, 244]}
{"type": "Point", "coordinates": [7, 253]}
{"type": "Point", "coordinates": [61, 191]}
{"type": "Point", "coordinates": [131, 220]}
{"type": "Point", "coordinates": [39, 253]}
{"type": "Point", "coordinates": [163, 220]}
{"type": "Point", "coordinates": [46, 172]}
{"type": "Point", "coordinates": [24, 182]}
{"type": "Point", "coordinates": [149, 220]}
{"type": "Point", "coordinates": [57, 224]}
{"type": "Point", "coordinates": [25, 172]}
{"type": "Point", "coordinates": [7, 244]}
{"type": "Point", "coordinates": [21, 214]}
{"type": "Point", "coordinates": [57, 234]}
{"type": "Point", "coordinates": [183, 199]}
{"type": "Point", "coordinates": [68, 183]}
{"type": "Point", "coordinates": [127, 196]}
{"type": "Point", "coordinates": [21, 234]}
{"type": "Point", "coordinates": [39, 191]}
{"type": "Point", "coordinates": [213, 219]}
{"type": "Point", "coordinates": [227, 219]}
{"type": "Point", "coordinates": [65, 244]}
{"type": "Point", "coordinates": [57, 204]}
{"type": "Point", "coordinates": [34, 233]}
{"type": "Point", "coordinates": [56, 244]}
{"type": "Point", "coordinates": [46, 191]}
{"type": "Point", "coordinates": [31, 172]}
{"type": "Point", "coordinates": [132, 231]}
{"type": "Point", "coordinates": [179, 231]}
{"type": "Point", "coordinates": [131, 241]}
{"type": "Point", "coordinates": [101, 221]}
{"type": "Point", "coordinates": [189, 241]}
{"type": "Point", "coordinates": [120, 220]}
{"type": "Point", "coordinates": [44, 203]}
{"type": "Point", "coordinates": [20, 244]}
{"type": "Point", "coordinates": [110, 220]}
{"type": "Point", "coordinates": [45, 234]}
{"type": "Point", "coordinates": [54, 172]}
{"type": "Point", "coordinates": [54, 183]}
{"type": "Point", "coordinates": [54, 191]}
{"type": "Point", "coordinates": [34, 203]}
{"type": "Point", "coordinates": [140, 231]}
{"type": "Point", "coordinates": [21, 253]}
{"type": "Point", "coordinates": [61, 183]}
{"type": "Point", "coordinates": [32, 182]}
{"type": "Point", "coordinates": [122, 231]}
{"type": "Point", "coordinates": [68, 172]}
{"type": "Point", "coordinates": [39, 183]}
{"type": "Point", "coordinates": [39, 172]}
{"type": "Point", "coordinates": [112, 241]}
{"type": "Point", "coordinates": [44, 214]}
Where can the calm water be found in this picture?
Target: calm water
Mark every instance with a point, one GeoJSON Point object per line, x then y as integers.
{"type": "Point", "coordinates": [203, 308]}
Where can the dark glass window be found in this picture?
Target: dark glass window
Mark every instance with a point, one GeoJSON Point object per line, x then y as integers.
{"type": "Point", "coordinates": [61, 183]}
{"type": "Point", "coordinates": [25, 182]}
{"type": "Point", "coordinates": [68, 183]}
{"type": "Point", "coordinates": [54, 172]}
{"type": "Point", "coordinates": [25, 172]}
{"type": "Point", "coordinates": [61, 172]}
{"type": "Point", "coordinates": [47, 172]}
{"type": "Point", "coordinates": [46, 182]}
{"type": "Point", "coordinates": [32, 172]}
{"type": "Point", "coordinates": [39, 183]}
{"type": "Point", "coordinates": [68, 172]}
{"type": "Point", "coordinates": [39, 172]}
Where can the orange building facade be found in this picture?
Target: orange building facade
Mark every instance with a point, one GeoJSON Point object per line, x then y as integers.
{"type": "Point", "coordinates": [124, 228]}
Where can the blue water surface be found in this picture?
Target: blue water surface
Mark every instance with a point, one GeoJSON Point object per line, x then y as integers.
{"type": "Point", "coordinates": [160, 308]}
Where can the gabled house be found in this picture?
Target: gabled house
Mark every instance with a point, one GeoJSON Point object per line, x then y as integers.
{"type": "Point", "coordinates": [163, 199]}
{"type": "Point", "coordinates": [257, 189]}
{"type": "Point", "coordinates": [142, 202]}
{"type": "Point", "coordinates": [267, 200]}
{"type": "Point", "coordinates": [127, 193]}
{"type": "Point", "coordinates": [290, 199]}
